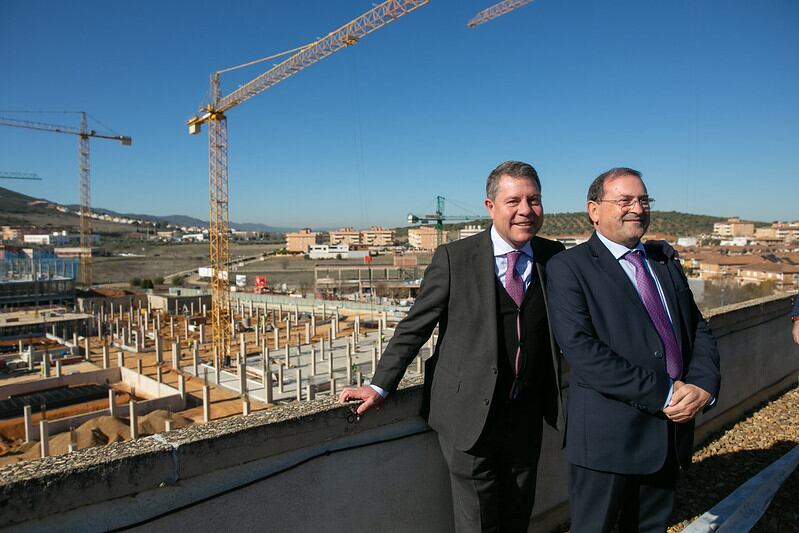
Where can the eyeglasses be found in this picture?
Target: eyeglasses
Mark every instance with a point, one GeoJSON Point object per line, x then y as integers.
{"type": "Point", "coordinates": [628, 202]}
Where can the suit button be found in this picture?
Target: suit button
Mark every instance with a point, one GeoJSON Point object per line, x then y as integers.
{"type": "Point", "coordinates": [494, 369]}
{"type": "Point", "coordinates": [658, 354]}
{"type": "Point", "coordinates": [486, 401]}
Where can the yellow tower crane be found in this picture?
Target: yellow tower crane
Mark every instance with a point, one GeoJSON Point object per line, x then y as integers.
{"type": "Point", "coordinates": [497, 10]}
{"type": "Point", "coordinates": [214, 115]}
{"type": "Point", "coordinates": [84, 169]}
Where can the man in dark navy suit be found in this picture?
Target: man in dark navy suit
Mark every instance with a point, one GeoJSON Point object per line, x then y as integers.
{"type": "Point", "coordinates": [643, 363]}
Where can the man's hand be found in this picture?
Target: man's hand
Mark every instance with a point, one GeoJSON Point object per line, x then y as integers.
{"type": "Point", "coordinates": [371, 398]}
{"type": "Point", "coordinates": [686, 402]}
{"type": "Point", "coordinates": [796, 332]}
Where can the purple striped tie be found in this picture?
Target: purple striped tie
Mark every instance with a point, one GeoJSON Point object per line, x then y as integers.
{"type": "Point", "coordinates": [514, 285]}
{"type": "Point", "coordinates": [654, 306]}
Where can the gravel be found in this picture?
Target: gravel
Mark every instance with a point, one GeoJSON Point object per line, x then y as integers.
{"type": "Point", "coordinates": [739, 452]}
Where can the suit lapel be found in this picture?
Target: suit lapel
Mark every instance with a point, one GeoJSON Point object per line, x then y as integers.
{"type": "Point", "coordinates": [611, 267]}
{"type": "Point", "coordinates": [485, 280]}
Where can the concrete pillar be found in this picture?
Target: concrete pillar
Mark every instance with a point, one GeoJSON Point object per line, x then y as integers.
{"type": "Point", "coordinates": [158, 376]}
{"type": "Point", "coordinates": [202, 333]}
{"type": "Point", "coordinates": [313, 323]}
{"type": "Point", "coordinates": [172, 327]}
{"type": "Point", "coordinates": [168, 424]}
{"type": "Point", "coordinates": [374, 360]}
{"type": "Point", "coordinates": [359, 378]}
{"type": "Point", "coordinates": [106, 359]}
{"type": "Point", "coordinates": [266, 367]}
{"type": "Point", "coordinates": [205, 310]}
{"type": "Point", "coordinates": [196, 361]}
{"type": "Point", "coordinates": [112, 405]}
{"type": "Point", "coordinates": [27, 413]}
{"type": "Point", "coordinates": [139, 366]}
{"type": "Point", "coordinates": [299, 384]}
{"type": "Point", "coordinates": [357, 327]}
{"type": "Point", "coordinates": [307, 333]}
{"type": "Point", "coordinates": [176, 356]}
{"type": "Point", "coordinates": [141, 337]}
{"type": "Point", "coordinates": [74, 339]}
{"type": "Point", "coordinates": [30, 361]}
{"type": "Point", "coordinates": [288, 355]}
{"type": "Point", "coordinates": [186, 328]}
{"type": "Point", "coordinates": [279, 312]}
{"type": "Point", "coordinates": [58, 371]}
{"type": "Point", "coordinates": [121, 359]}
{"type": "Point", "coordinates": [86, 351]}
{"type": "Point", "coordinates": [322, 348]}
{"type": "Point", "coordinates": [310, 392]}
{"type": "Point", "coordinates": [332, 386]}
{"type": "Point", "coordinates": [44, 438]}
{"type": "Point", "coordinates": [159, 356]}
{"type": "Point", "coordinates": [245, 406]}
{"type": "Point", "coordinates": [134, 420]}
{"type": "Point", "coordinates": [243, 376]}
{"type": "Point", "coordinates": [288, 332]}
{"type": "Point", "coordinates": [191, 308]}
{"type": "Point", "coordinates": [334, 327]}
{"type": "Point", "coordinates": [182, 387]}
{"type": "Point", "coordinates": [46, 364]}
{"type": "Point", "coordinates": [257, 333]}
{"type": "Point", "coordinates": [330, 364]}
{"type": "Point", "coordinates": [280, 377]}
{"type": "Point", "coordinates": [277, 336]}
{"type": "Point", "coordinates": [349, 366]}
{"type": "Point", "coordinates": [313, 360]}
{"type": "Point", "coordinates": [206, 403]}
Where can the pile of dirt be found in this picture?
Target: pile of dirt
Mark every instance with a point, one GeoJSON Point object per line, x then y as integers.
{"type": "Point", "coordinates": [95, 432]}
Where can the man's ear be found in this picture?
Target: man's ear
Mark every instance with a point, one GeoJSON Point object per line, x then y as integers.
{"type": "Point", "coordinates": [593, 212]}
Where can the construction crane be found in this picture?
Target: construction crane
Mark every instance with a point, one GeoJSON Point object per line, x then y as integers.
{"type": "Point", "coordinates": [214, 115]}
{"type": "Point", "coordinates": [83, 133]}
{"type": "Point", "coordinates": [497, 10]}
{"type": "Point", "coordinates": [439, 217]}
{"type": "Point", "coordinates": [19, 176]}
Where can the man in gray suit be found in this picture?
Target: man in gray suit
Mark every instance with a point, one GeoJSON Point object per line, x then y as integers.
{"type": "Point", "coordinates": [494, 375]}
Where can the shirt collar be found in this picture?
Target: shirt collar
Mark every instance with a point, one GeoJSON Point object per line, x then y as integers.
{"type": "Point", "coordinates": [619, 250]}
{"type": "Point", "coordinates": [501, 247]}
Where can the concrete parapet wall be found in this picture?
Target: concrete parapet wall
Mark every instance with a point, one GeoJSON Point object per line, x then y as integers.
{"type": "Point", "coordinates": [315, 466]}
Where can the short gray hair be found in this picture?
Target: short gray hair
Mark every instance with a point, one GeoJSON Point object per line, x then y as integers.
{"type": "Point", "coordinates": [514, 169]}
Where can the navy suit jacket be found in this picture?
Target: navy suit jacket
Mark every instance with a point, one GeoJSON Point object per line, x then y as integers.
{"type": "Point", "coordinates": [619, 384]}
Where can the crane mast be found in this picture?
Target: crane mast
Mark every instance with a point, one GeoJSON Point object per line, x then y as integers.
{"type": "Point", "coordinates": [84, 179]}
{"type": "Point", "coordinates": [497, 10]}
{"type": "Point", "coordinates": [214, 115]}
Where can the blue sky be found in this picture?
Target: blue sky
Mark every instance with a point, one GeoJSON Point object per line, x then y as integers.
{"type": "Point", "coordinates": [701, 96]}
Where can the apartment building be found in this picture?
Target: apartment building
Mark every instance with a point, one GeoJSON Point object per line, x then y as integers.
{"type": "Point", "coordinates": [344, 236]}
{"type": "Point", "coordinates": [424, 238]}
{"type": "Point", "coordinates": [377, 236]}
{"type": "Point", "coordinates": [734, 227]}
{"type": "Point", "coordinates": [302, 240]}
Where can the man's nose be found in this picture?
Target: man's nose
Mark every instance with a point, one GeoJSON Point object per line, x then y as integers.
{"type": "Point", "coordinates": [525, 209]}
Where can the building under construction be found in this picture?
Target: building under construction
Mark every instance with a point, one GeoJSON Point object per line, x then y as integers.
{"type": "Point", "coordinates": [36, 278]}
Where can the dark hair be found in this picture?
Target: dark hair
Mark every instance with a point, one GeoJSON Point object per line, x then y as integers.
{"type": "Point", "coordinates": [514, 169]}
{"type": "Point", "coordinates": [597, 189]}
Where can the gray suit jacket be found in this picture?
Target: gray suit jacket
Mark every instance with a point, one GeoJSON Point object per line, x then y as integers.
{"type": "Point", "coordinates": [459, 293]}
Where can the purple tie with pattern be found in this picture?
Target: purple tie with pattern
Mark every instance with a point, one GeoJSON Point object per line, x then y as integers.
{"type": "Point", "coordinates": [514, 285]}
{"type": "Point", "coordinates": [654, 306]}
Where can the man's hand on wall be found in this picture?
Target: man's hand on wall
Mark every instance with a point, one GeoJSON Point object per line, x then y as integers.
{"type": "Point", "coordinates": [686, 402]}
{"type": "Point", "coordinates": [371, 398]}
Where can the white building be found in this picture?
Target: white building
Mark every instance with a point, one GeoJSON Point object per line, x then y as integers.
{"type": "Point", "coordinates": [328, 251]}
{"type": "Point", "coordinates": [468, 231]}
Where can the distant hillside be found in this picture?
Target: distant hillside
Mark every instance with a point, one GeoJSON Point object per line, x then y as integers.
{"type": "Point", "coordinates": [17, 209]}
{"type": "Point", "coordinates": [670, 222]}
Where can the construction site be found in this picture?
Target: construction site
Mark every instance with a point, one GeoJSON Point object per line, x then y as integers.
{"type": "Point", "coordinates": [203, 407]}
